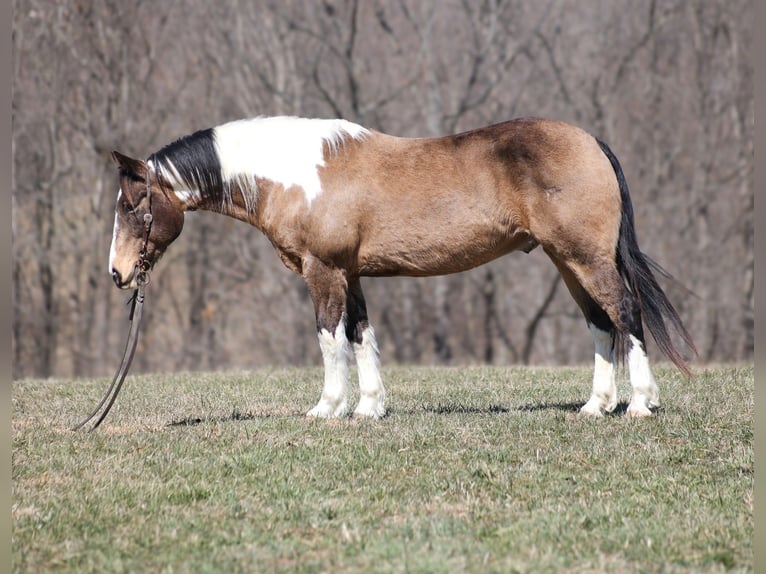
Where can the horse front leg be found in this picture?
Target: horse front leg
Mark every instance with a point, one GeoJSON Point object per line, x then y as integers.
{"type": "Point", "coordinates": [328, 290]}
{"type": "Point", "coordinates": [372, 394]}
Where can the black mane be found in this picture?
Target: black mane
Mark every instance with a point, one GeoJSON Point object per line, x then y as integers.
{"type": "Point", "coordinates": [195, 159]}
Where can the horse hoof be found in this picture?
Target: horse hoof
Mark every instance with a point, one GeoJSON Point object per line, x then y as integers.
{"type": "Point", "coordinates": [375, 412]}
{"type": "Point", "coordinates": [638, 411]}
{"type": "Point", "coordinates": [592, 409]}
{"type": "Point", "coordinates": [370, 406]}
{"type": "Point", "coordinates": [325, 410]}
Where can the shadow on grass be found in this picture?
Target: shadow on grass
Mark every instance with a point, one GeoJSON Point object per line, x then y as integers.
{"type": "Point", "coordinates": [439, 409]}
{"type": "Point", "coordinates": [459, 409]}
{"type": "Point", "coordinates": [569, 407]}
{"type": "Point", "coordinates": [193, 421]}
{"type": "Point", "coordinates": [234, 416]}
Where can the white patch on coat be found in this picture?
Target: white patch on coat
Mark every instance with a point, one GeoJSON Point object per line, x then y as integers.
{"type": "Point", "coordinates": [333, 402]}
{"type": "Point", "coordinates": [645, 392]}
{"type": "Point", "coordinates": [285, 150]}
{"type": "Point", "coordinates": [115, 232]}
{"type": "Point", "coordinates": [372, 394]}
{"type": "Point", "coordinates": [604, 394]}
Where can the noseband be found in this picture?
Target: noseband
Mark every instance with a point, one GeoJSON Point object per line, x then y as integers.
{"type": "Point", "coordinates": [143, 265]}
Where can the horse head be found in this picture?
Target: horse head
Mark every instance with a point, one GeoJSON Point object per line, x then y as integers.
{"type": "Point", "coordinates": [148, 217]}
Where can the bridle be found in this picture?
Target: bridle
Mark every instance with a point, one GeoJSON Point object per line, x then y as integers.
{"type": "Point", "coordinates": [141, 272]}
{"type": "Point", "coordinates": [144, 265]}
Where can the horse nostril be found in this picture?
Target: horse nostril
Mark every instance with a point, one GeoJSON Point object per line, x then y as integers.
{"type": "Point", "coordinates": [116, 277]}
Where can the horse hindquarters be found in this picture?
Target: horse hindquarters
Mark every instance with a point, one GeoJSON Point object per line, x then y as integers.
{"type": "Point", "coordinates": [613, 283]}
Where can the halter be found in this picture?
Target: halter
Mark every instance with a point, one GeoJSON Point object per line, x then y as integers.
{"type": "Point", "coordinates": [143, 265]}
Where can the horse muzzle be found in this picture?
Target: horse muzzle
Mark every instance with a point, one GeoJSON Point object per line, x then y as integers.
{"type": "Point", "coordinates": [126, 282]}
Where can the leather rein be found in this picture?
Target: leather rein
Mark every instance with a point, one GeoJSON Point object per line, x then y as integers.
{"type": "Point", "coordinates": [136, 302]}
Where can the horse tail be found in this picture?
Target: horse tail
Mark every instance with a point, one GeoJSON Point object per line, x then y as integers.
{"type": "Point", "coordinates": [636, 269]}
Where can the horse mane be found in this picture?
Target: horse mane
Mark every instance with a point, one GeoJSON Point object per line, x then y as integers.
{"type": "Point", "coordinates": [191, 162]}
{"type": "Point", "coordinates": [287, 150]}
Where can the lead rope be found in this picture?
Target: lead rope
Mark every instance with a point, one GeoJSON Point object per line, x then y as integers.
{"type": "Point", "coordinates": [136, 312]}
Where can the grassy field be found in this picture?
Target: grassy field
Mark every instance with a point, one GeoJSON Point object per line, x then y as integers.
{"type": "Point", "coordinates": [474, 470]}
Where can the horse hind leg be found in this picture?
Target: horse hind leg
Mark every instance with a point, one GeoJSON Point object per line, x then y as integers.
{"type": "Point", "coordinates": [372, 393]}
{"type": "Point", "coordinates": [624, 310]}
{"type": "Point", "coordinates": [645, 392]}
{"type": "Point", "coordinates": [614, 319]}
{"type": "Point", "coordinates": [604, 391]}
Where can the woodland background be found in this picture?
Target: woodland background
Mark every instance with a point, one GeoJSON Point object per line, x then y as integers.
{"type": "Point", "coordinates": [667, 83]}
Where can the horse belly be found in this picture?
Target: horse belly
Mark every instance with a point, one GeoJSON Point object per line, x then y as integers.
{"type": "Point", "coordinates": [423, 250]}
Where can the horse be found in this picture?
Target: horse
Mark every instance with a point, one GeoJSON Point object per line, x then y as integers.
{"type": "Point", "coordinates": [339, 201]}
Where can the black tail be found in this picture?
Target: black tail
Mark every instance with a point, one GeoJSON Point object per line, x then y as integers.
{"type": "Point", "coordinates": [636, 269]}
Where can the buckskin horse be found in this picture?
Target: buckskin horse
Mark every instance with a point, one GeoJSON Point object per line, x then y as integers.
{"type": "Point", "coordinates": [339, 201]}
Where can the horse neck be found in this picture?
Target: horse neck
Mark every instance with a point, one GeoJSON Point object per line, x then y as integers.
{"type": "Point", "coordinates": [205, 188]}
{"type": "Point", "coordinates": [234, 199]}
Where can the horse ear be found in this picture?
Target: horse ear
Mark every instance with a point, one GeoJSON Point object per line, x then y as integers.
{"type": "Point", "coordinates": [133, 167]}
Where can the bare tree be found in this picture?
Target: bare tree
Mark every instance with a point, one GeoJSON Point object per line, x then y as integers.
{"type": "Point", "coordinates": [668, 84]}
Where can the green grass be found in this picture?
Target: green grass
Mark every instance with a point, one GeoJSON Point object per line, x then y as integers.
{"type": "Point", "coordinates": [474, 470]}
